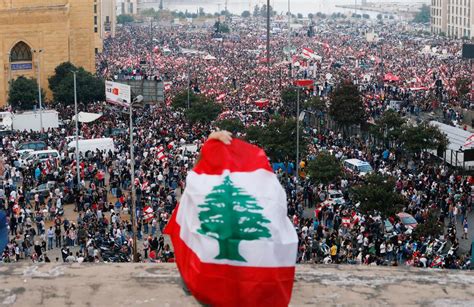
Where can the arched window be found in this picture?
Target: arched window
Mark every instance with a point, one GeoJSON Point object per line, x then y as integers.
{"type": "Point", "coordinates": [21, 52]}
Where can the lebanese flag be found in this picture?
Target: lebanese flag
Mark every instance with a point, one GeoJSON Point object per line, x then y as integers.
{"type": "Point", "coordinates": [308, 53]}
{"type": "Point", "coordinates": [147, 214]}
{"type": "Point", "coordinates": [233, 242]}
{"type": "Point", "coordinates": [469, 141]}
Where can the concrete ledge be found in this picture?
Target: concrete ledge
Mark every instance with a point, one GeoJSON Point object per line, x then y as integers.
{"type": "Point", "coordinates": [160, 285]}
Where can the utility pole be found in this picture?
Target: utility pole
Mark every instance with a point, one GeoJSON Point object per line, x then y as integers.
{"type": "Point", "coordinates": [289, 32]}
{"type": "Point", "coordinates": [39, 88]}
{"type": "Point", "coordinates": [189, 85]}
{"type": "Point", "coordinates": [132, 178]}
{"type": "Point", "coordinates": [78, 168]}
{"type": "Point", "coordinates": [297, 138]}
{"type": "Point", "coordinates": [268, 33]}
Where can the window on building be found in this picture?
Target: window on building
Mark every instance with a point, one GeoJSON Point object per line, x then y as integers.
{"type": "Point", "coordinates": [107, 19]}
{"type": "Point", "coordinates": [21, 52]}
{"type": "Point", "coordinates": [95, 8]}
{"type": "Point", "coordinates": [96, 50]}
{"type": "Point", "coordinates": [95, 20]}
{"type": "Point", "coordinates": [95, 29]}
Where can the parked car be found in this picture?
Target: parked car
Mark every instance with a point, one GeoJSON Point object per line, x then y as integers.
{"type": "Point", "coordinates": [407, 220]}
{"type": "Point", "coordinates": [335, 197]}
{"type": "Point", "coordinates": [43, 189]}
{"type": "Point", "coordinates": [31, 146]}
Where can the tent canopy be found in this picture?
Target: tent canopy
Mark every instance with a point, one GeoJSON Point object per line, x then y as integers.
{"type": "Point", "coordinates": [85, 117]}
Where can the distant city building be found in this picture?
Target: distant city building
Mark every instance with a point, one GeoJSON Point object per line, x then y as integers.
{"type": "Point", "coordinates": [49, 32]}
{"type": "Point", "coordinates": [108, 13]}
{"type": "Point", "coordinates": [128, 7]}
{"type": "Point", "coordinates": [455, 18]}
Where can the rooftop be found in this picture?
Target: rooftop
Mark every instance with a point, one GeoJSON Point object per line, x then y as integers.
{"type": "Point", "coordinates": [160, 285]}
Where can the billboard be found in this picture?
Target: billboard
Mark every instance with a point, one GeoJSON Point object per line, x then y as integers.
{"type": "Point", "coordinates": [118, 93]}
{"type": "Point", "coordinates": [468, 51]}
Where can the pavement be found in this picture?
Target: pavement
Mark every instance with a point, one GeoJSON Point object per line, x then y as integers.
{"type": "Point", "coordinates": [160, 285]}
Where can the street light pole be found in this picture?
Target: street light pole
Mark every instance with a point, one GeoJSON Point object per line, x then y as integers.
{"type": "Point", "coordinates": [297, 136]}
{"type": "Point", "coordinates": [189, 85]}
{"type": "Point", "coordinates": [132, 174]}
{"type": "Point", "coordinates": [289, 32]}
{"type": "Point", "coordinates": [78, 168]}
{"type": "Point", "coordinates": [132, 178]}
{"type": "Point", "coordinates": [39, 88]}
{"type": "Point", "coordinates": [268, 33]}
{"type": "Point", "coordinates": [9, 70]}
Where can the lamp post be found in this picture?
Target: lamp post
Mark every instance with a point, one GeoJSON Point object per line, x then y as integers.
{"type": "Point", "coordinates": [137, 99]}
{"type": "Point", "coordinates": [268, 33]}
{"type": "Point", "coordinates": [39, 51]}
{"type": "Point", "coordinates": [189, 85]}
{"type": "Point", "coordinates": [297, 137]}
{"type": "Point", "coordinates": [9, 69]}
{"type": "Point", "coordinates": [78, 168]}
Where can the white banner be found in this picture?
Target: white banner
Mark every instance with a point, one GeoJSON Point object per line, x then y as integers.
{"type": "Point", "coordinates": [118, 93]}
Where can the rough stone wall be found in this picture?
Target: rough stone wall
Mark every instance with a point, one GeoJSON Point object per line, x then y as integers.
{"type": "Point", "coordinates": [160, 285]}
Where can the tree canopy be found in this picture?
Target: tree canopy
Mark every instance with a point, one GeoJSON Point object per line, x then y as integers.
{"type": "Point", "coordinates": [424, 15]}
{"type": "Point", "coordinates": [278, 139]}
{"type": "Point", "coordinates": [23, 94]}
{"type": "Point", "coordinates": [416, 139]}
{"type": "Point", "coordinates": [347, 107]}
{"type": "Point", "coordinates": [233, 125]}
{"type": "Point", "coordinates": [204, 112]}
{"type": "Point", "coordinates": [124, 18]}
{"type": "Point", "coordinates": [89, 87]}
{"type": "Point", "coordinates": [245, 14]}
{"type": "Point", "coordinates": [377, 195]}
{"type": "Point", "coordinates": [324, 169]}
{"type": "Point", "coordinates": [389, 127]}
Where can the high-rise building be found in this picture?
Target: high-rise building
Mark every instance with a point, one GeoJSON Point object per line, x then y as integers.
{"type": "Point", "coordinates": [129, 7]}
{"type": "Point", "coordinates": [38, 35]}
{"type": "Point", "coordinates": [454, 18]}
{"type": "Point", "coordinates": [108, 13]}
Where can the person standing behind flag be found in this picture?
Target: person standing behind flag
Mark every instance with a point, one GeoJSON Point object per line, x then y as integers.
{"type": "Point", "coordinates": [234, 244]}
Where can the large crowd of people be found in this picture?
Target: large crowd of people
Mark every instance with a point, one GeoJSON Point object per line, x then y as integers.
{"type": "Point", "coordinates": [232, 70]}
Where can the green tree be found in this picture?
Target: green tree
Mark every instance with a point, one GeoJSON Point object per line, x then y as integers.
{"type": "Point", "coordinates": [310, 15]}
{"type": "Point", "coordinates": [233, 125]}
{"type": "Point", "coordinates": [203, 112]}
{"type": "Point", "coordinates": [377, 195]}
{"type": "Point", "coordinates": [347, 107]}
{"type": "Point", "coordinates": [288, 96]}
{"type": "Point", "coordinates": [60, 72]}
{"type": "Point", "coordinates": [278, 139]}
{"type": "Point", "coordinates": [299, 16]}
{"type": "Point", "coordinates": [324, 169]}
{"type": "Point", "coordinates": [463, 86]}
{"type": "Point", "coordinates": [161, 5]}
{"type": "Point", "coordinates": [314, 103]}
{"type": "Point", "coordinates": [89, 87]}
{"type": "Point", "coordinates": [124, 18]}
{"type": "Point", "coordinates": [23, 94]}
{"type": "Point", "coordinates": [256, 11]}
{"type": "Point", "coordinates": [245, 14]}
{"type": "Point", "coordinates": [379, 16]}
{"type": "Point", "coordinates": [148, 12]}
{"type": "Point", "coordinates": [180, 101]}
{"type": "Point", "coordinates": [230, 216]}
{"type": "Point", "coordinates": [416, 139]}
{"type": "Point", "coordinates": [423, 16]}
{"type": "Point", "coordinates": [389, 127]}
{"type": "Point", "coordinates": [431, 227]}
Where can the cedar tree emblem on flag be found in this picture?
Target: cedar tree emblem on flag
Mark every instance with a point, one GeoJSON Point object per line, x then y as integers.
{"type": "Point", "coordinates": [229, 215]}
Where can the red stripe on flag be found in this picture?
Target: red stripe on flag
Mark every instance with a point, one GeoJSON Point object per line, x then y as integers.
{"type": "Point", "coordinates": [227, 285]}
{"type": "Point", "coordinates": [239, 156]}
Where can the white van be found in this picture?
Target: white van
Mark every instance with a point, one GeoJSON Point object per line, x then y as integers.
{"type": "Point", "coordinates": [92, 145]}
{"type": "Point", "coordinates": [39, 156]}
{"type": "Point", "coordinates": [358, 166]}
